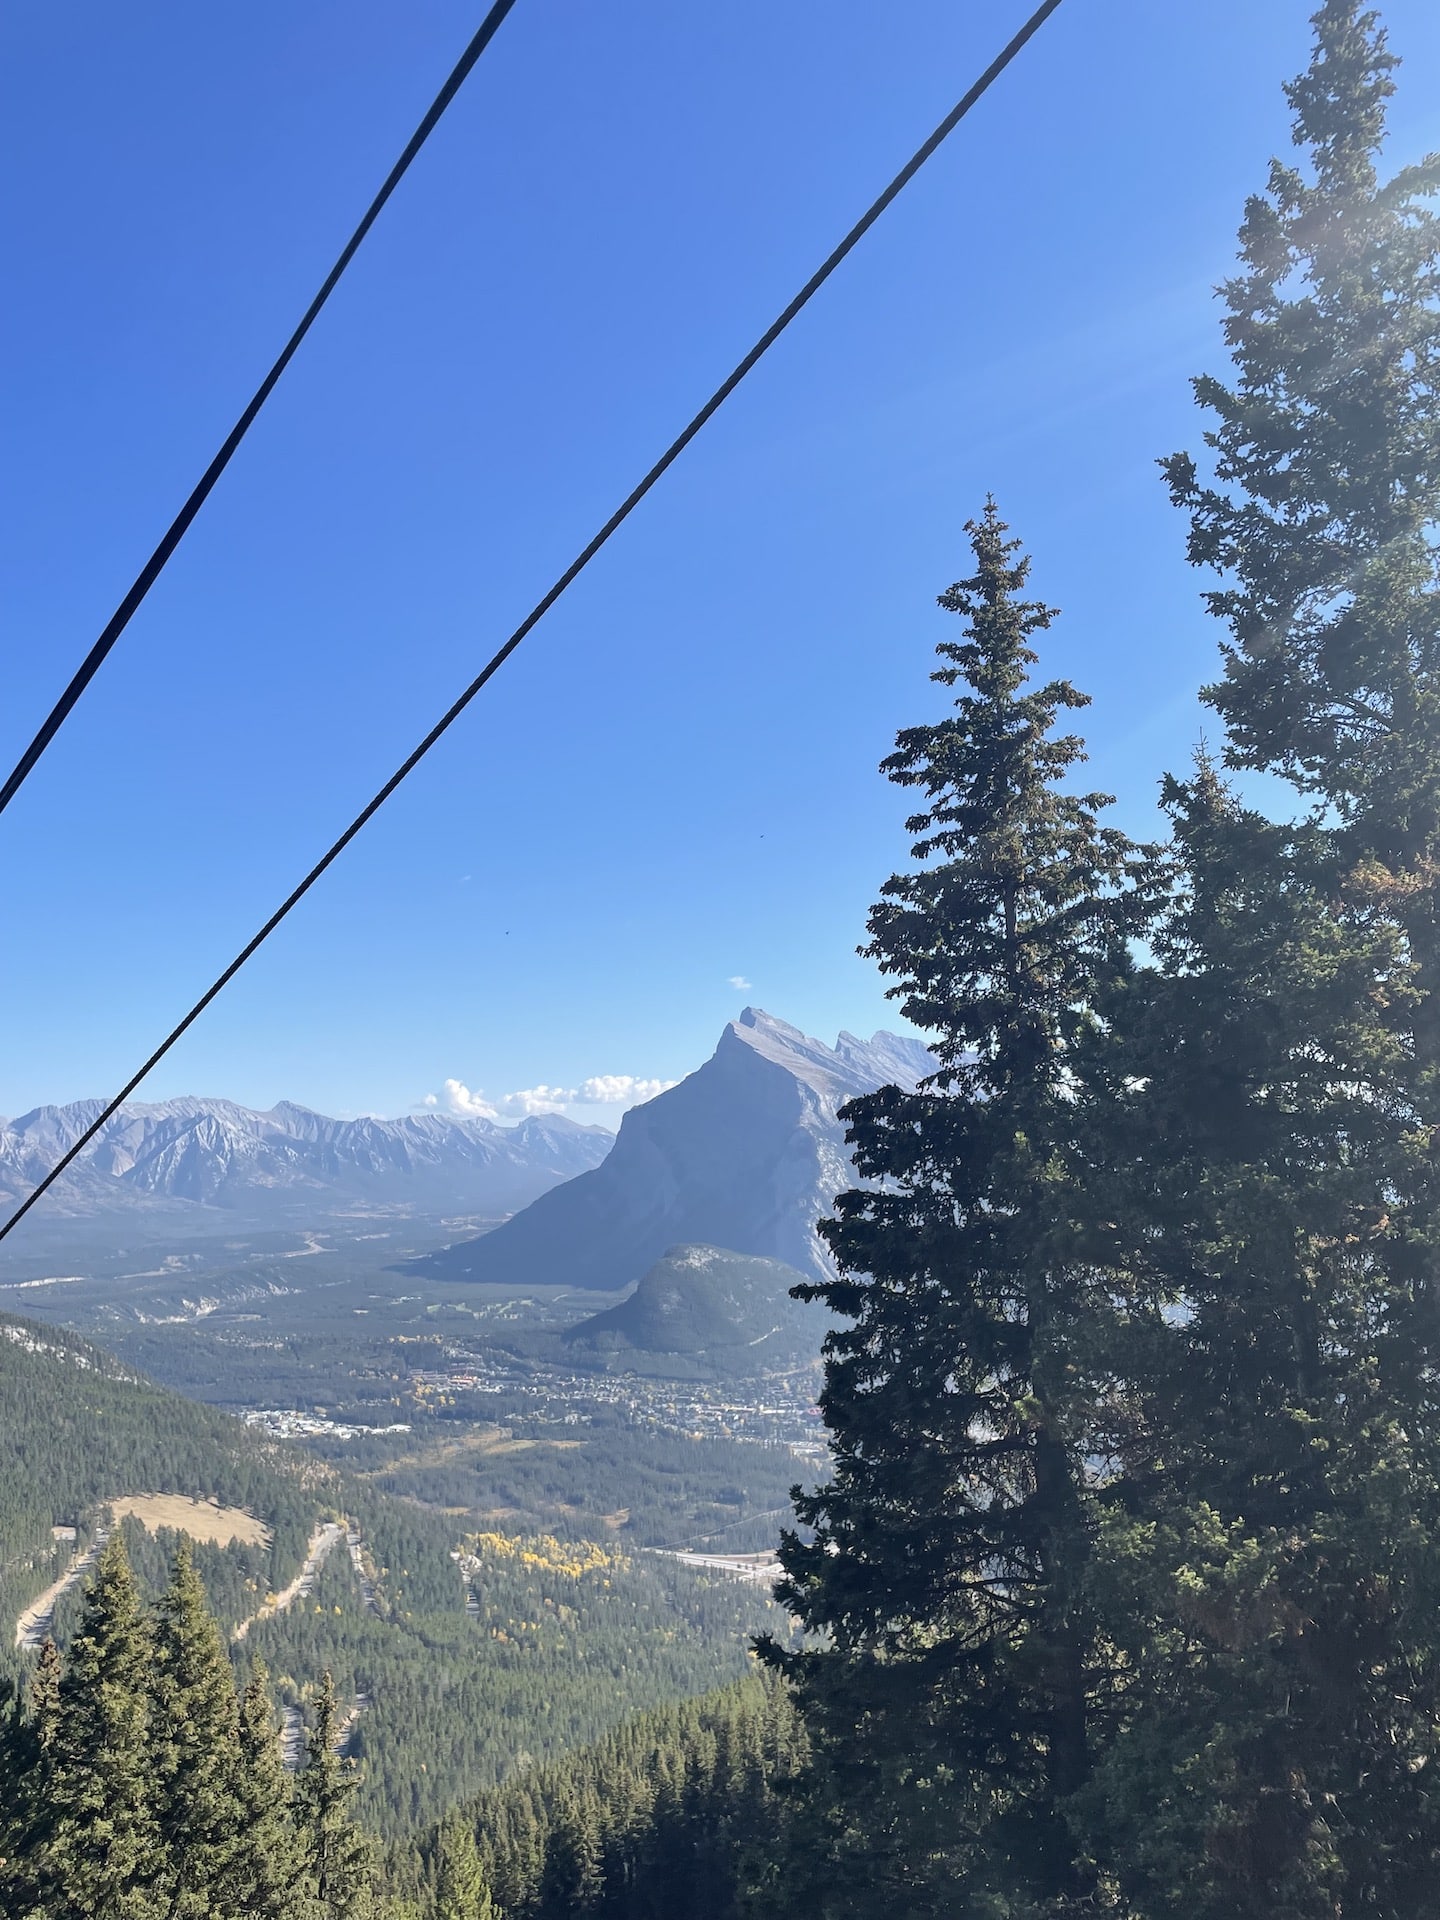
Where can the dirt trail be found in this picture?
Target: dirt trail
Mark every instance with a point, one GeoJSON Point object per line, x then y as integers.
{"type": "Point", "coordinates": [292, 1739]}
{"type": "Point", "coordinates": [294, 1734]}
{"type": "Point", "coordinates": [323, 1543]}
{"type": "Point", "coordinates": [200, 1519]}
{"type": "Point", "coordinates": [345, 1732]}
{"type": "Point", "coordinates": [34, 1623]}
{"type": "Point", "coordinates": [357, 1560]}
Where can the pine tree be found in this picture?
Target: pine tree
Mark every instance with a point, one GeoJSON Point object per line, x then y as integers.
{"type": "Point", "coordinates": [1281, 1564]}
{"type": "Point", "coordinates": [949, 1553]}
{"type": "Point", "coordinates": [571, 1880]}
{"type": "Point", "coordinates": [21, 1804]}
{"type": "Point", "coordinates": [220, 1797]}
{"type": "Point", "coordinates": [1327, 463]}
{"type": "Point", "coordinates": [460, 1889]}
{"type": "Point", "coordinates": [45, 1691]}
{"type": "Point", "coordinates": [103, 1856]}
{"type": "Point", "coordinates": [273, 1861]}
{"type": "Point", "coordinates": [338, 1860]}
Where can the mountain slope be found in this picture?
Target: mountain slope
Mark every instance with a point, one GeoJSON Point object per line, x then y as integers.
{"type": "Point", "coordinates": [732, 1309]}
{"type": "Point", "coordinates": [745, 1154]}
{"type": "Point", "coordinates": [77, 1430]}
{"type": "Point", "coordinates": [215, 1154]}
{"type": "Point", "coordinates": [477, 1651]}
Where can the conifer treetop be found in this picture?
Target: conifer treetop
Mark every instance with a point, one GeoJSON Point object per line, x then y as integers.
{"type": "Point", "coordinates": [1321, 512]}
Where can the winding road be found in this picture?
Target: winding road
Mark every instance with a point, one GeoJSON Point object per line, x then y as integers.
{"type": "Point", "coordinates": [323, 1542]}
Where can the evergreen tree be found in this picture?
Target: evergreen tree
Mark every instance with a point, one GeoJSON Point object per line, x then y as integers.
{"type": "Point", "coordinates": [572, 1878]}
{"type": "Point", "coordinates": [45, 1691]}
{"type": "Point", "coordinates": [272, 1853]}
{"type": "Point", "coordinates": [948, 1562]}
{"type": "Point", "coordinates": [103, 1854]}
{"type": "Point", "coordinates": [21, 1803]}
{"type": "Point", "coordinates": [1327, 464]}
{"type": "Point", "coordinates": [219, 1821]}
{"type": "Point", "coordinates": [338, 1860]}
{"type": "Point", "coordinates": [1280, 1565]}
{"type": "Point", "coordinates": [460, 1889]}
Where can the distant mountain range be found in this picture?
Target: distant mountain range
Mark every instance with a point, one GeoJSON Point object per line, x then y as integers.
{"type": "Point", "coordinates": [731, 1310]}
{"type": "Point", "coordinates": [291, 1163]}
{"type": "Point", "coordinates": [746, 1154]}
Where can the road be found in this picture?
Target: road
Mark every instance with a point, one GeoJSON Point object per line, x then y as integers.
{"type": "Point", "coordinates": [323, 1543]}
{"type": "Point", "coordinates": [34, 1623]}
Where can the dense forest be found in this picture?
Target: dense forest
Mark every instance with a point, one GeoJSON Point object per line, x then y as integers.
{"type": "Point", "coordinates": [146, 1779]}
{"type": "Point", "coordinates": [77, 1429]}
{"type": "Point", "coordinates": [466, 1673]}
{"type": "Point", "coordinates": [142, 1782]}
{"type": "Point", "coordinates": [561, 1642]}
{"type": "Point", "coordinates": [683, 1811]}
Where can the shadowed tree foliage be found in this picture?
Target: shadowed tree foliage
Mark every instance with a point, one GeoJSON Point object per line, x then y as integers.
{"type": "Point", "coordinates": [139, 1785]}
{"type": "Point", "coordinates": [274, 1847]}
{"type": "Point", "coordinates": [1280, 1565]}
{"type": "Point", "coordinates": [958, 1688]}
{"type": "Point", "coordinates": [220, 1797]}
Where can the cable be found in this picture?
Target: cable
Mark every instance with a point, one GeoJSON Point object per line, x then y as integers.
{"type": "Point", "coordinates": [543, 606]}
{"type": "Point", "coordinates": [155, 565]}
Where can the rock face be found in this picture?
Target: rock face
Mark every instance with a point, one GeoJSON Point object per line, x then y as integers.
{"type": "Point", "coordinates": [731, 1309]}
{"type": "Point", "coordinates": [212, 1153]}
{"type": "Point", "coordinates": [746, 1154]}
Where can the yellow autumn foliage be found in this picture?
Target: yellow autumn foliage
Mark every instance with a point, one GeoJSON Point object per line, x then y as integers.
{"type": "Point", "coordinates": [571, 1559]}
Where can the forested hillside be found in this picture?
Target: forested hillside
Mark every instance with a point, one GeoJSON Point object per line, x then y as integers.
{"type": "Point", "coordinates": [473, 1645]}
{"type": "Point", "coordinates": [77, 1430]}
{"type": "Point", "coordinates": [560, 1642]}
{"type": "Point", "coordinates": [681, 1812]}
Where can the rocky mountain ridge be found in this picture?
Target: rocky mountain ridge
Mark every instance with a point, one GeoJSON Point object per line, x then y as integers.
{"type": "Point", "coordinates": [217, 1154]}
{"type": "Point", "coordinates": [745, 1154]}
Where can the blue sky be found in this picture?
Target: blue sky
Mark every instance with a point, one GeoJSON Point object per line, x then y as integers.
{"type": "Point", "coordinates": [672, 788]}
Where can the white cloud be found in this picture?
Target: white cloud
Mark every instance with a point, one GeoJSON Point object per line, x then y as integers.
{"type": "Point", "coordinates": [619, 1089]}
{"type": "Point", "coordinates": [601, 1090]}
{"type": "Point", "coordinates": [536, 1100]}
{"type": "Point", "coordinates": [458, 1099]}
{"type": "Point", "coordinates": [739, 983]}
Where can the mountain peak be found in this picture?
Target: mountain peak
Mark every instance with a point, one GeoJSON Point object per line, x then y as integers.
{"type": "Point", "coordinates": [851, 1066]}
{"type": "Point", "coordinates": [744, 1155]}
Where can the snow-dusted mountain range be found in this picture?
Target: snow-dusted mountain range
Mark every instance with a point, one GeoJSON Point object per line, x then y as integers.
{"type": "Point", "coordinates": [290, 1161]}
{"type": "Point", "coordinates": [745, 1154]}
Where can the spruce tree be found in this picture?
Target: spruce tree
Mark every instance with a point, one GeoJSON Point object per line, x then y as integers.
{"type": "Point", "coordinates": [103, 1856]}
{"type": "Point", "coordinates": [955, 1698]}
{"type": "Point", "coordinates": [1326, 457]}
{"type": "Point", "coordinates": [460, 1889]}
{"type": "Point", "coordinates": [45, 1691]}
{"type": "Point", "coordinates": [1280, 1568]}
{"type": "Point", "coordinates": [337, 1856]}
{"type": "Point", "coordinates": [21, 1804]}
{"type": "Point", "coordinates": [218, 1820]}
{"type": "Point", "coordinates": [272, 1855]}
